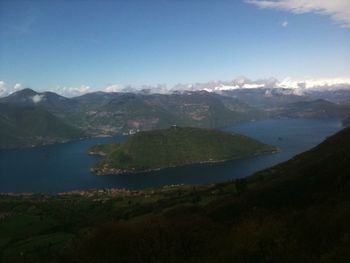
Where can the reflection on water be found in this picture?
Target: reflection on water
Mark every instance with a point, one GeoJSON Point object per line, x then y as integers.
{"type": "Point", "coordinates": [65, 167]}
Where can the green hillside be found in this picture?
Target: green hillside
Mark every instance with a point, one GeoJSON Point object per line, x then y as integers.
{"type": "Point", "coordinates": [28, 126]}
{"type": "Point", "coordinates": [174, 147]}
{"type": "Point", "coordinates": [297, 211]}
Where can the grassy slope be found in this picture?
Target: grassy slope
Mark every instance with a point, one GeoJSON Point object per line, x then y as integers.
{"type": "Point", "coordinates": [179, 146]}
{"type": "Point", "coordinates": [26, 126]}
{"type": "Point", "coordinates": [296, 211]}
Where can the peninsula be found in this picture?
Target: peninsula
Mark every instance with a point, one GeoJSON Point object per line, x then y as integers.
{"type": "Point", "coordinates": [176, 146]}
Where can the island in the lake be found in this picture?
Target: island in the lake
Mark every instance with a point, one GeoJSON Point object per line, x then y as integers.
{"type": "Point", "coordinates": [176, 146]}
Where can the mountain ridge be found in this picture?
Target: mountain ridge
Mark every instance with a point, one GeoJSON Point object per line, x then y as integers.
{"type": "Point", "coordinates": [113, 113]}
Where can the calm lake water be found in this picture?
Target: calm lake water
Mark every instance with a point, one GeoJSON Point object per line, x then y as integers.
{"type": "Point", "coordinates": [65, 167]}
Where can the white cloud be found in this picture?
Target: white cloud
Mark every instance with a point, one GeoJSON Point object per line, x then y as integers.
{"type": "Point", "coordinates": [5, 90]}
{"type": "Point", "coordinates": [284, 23]}
{"type": "Point", "coordinates": [37, 98]}
{"type": "Point", "coordinates": [72, 91]}
{"type": "Point", "coordinates": [253, 86]}
{"type": "Point", "coordinates": [114, 88]}
{"type": "Point", "coordinates": [128, 88]}
{"type": "Point", "coordinates": [324, 83]}
{"type": "Point", "coordinates": [290, 86]}
{"type": "Point", "coordinates": [338, 10]}
{"type": "Point", "coordinates": [17, 87]}
{"type": "Point", "coordinates": [222, 87]}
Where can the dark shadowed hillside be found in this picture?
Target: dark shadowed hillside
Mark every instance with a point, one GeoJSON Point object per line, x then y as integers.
{"type": "Point", "coordinates": [49, 101]}
{"type": "Point", "coordinates": [295, 211]}
{"type": "Point", "coordinates": [314, 109]}
{"type": "Point", "coordinates": [28, 126]}
{"type": "Point", "coordinates": [267, 98]}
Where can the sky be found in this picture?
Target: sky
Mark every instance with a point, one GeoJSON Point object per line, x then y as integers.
{"type": "Point", "coordinates": [78, 46]}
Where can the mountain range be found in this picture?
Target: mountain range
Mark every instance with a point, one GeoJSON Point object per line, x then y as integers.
{"type": "Point", "coordinates": [103, 113]}
{"type": "Point", "coordinates": [112, 113]}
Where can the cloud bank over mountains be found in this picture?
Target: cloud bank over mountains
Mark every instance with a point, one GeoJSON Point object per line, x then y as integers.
{"type": "Point", "coordinates": [6, 90]}
{"type": "Point", "coordinates": [72, 91]}
{"type": "Point", "coordinates": [297, 87]}
{"type": "Point", "coordinates": [338, 10]}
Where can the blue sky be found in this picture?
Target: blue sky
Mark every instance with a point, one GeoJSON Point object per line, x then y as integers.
{"type": "Point", "coordinates": [46, 44]}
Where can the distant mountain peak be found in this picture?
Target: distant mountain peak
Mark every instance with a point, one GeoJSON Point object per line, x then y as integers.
{"type": "Point", "coordinates": [24, 92]}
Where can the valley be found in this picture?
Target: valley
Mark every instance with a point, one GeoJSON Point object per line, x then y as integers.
{"type": "Point", "coordinates": [51, 118]}
{"type": "Point", "coordinates": [66, 167]}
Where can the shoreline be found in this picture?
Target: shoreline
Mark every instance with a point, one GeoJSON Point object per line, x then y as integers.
{"type": "Point", "coordinates": [59, 142]}
{"type": "Point", "coordinates": [95, 192]}
{"type": "Point", "coordinates": [117, 171]}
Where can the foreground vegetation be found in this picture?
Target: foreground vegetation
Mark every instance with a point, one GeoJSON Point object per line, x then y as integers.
{"type": "Point", "coordinates": [295, 211]}
{"type": "Point", "coordinates": [171, 147]}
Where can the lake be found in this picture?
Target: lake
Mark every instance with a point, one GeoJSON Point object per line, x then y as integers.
{"type": "Point", "coordinates": [65, 167]}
